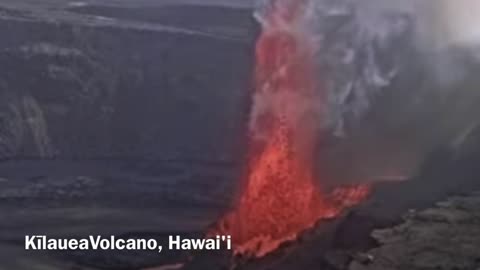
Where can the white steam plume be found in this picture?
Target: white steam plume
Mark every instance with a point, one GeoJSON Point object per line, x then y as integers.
{"type": "Point", "coordinates": [401, 79]}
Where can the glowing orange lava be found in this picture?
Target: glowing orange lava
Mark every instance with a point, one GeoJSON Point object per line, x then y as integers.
{"type": "Point", "coordinates": [281, 197]}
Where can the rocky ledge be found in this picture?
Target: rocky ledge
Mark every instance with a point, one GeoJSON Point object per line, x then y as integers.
{"type": "Point", "coordinates": [443, 237]}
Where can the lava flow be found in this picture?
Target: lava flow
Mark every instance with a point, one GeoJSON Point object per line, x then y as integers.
{"type": "Point", "coordinates": [281, 197]}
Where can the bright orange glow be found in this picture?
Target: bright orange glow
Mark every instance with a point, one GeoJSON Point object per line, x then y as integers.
{"type": "Point", "coordinates": [281, 197]}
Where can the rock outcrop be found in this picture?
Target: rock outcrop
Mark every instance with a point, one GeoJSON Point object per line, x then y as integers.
{"type": "Point", "coordinates": [444, 237]}
{"type": "Point", "coordinates": [76, 84]}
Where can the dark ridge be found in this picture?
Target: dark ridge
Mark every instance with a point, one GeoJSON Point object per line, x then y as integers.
{"type": "Point", "coordinates": [13, 13]}
{"type": "Point", "coordinates": [193, 17]}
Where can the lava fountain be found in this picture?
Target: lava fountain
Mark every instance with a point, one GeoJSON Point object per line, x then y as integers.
{"type": "Point", "coordinates": [281, 197]}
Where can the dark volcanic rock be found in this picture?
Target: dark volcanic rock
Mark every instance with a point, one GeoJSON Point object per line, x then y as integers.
{"type": "Point", "coordinates": [111, 126]}
{"type": "Point", "coordinates": [221, 20]}
{"type": "Point", "coordinates": [445, 237]}
{"type": "Point", "coordinates": [74, 90]}
{"type": "Point", "coordinates": [440, 231]}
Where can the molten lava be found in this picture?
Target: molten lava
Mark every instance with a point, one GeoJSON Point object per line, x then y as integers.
{"type": "Point", "coordinates": [281, 197]}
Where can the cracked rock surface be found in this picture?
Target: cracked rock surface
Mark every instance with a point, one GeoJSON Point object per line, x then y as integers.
{"type": "Point", "coordinates": [444, 237]}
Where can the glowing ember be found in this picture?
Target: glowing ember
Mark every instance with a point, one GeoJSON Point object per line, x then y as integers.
{"type": "Point", "coordinates": [280, 198]}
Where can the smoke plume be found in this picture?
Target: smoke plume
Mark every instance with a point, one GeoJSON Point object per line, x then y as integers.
{"type": "Point", "coordinates": [397, 82]}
